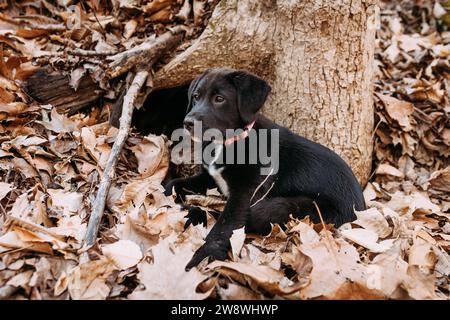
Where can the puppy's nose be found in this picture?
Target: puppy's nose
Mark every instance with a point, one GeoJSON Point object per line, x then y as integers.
{"type": "Point", "coordinates": [188, 123]}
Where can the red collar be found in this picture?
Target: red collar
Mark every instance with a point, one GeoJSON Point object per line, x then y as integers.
{"type": "Point", "coordinates": [242, 135]}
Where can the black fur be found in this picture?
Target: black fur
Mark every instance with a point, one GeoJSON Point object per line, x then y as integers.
{"type": "Point", "coordinates": [163, 111]}
{"type": "Point", "coordinates": [308, 172]}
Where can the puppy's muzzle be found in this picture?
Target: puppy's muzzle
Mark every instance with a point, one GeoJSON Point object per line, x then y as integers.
{"type": "Point", "coordinates": [188, 124]}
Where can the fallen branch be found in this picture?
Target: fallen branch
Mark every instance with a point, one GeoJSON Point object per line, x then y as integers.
{"type": "Point", "coordinates": [129, 103]}
{"type": "Point", "coordinates": [23, 21]}
{"type": "Point", "coordinates": [55, 89]}
{"type": "Point", "coordinates": [145, 53]}
{"type": "Point", "coordinates": [80, 52]}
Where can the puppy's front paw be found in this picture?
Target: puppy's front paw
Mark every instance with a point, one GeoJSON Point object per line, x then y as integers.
{"type": "Point", "coordinates": [195, 216]}
{"type": "Point", "coordinates": [175, 185]}
{"type": "Point", "coordinates": [213, 250]}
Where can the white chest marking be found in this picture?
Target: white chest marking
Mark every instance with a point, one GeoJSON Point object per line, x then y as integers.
{"type": "Point", "coordinates": [216, 173]}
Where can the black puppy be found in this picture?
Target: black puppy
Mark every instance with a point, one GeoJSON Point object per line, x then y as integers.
{"type": "Point", "coordinates": [307, 172]}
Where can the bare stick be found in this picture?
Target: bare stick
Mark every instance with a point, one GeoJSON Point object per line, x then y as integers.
{"type": "Point", "coordinates": [95, 15]}
{"type": "Point", "coordinates": [21, 20]}
{"type": "Point", "coordinates": [327, 233]}
{"type": "Point", "coordinates": [80, 52]}
{"type": "Point", "coordinates": [125, 122]}
{"type": "Point", "coordinates": [145, 53]}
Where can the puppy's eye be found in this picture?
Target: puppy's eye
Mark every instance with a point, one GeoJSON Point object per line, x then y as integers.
{"type": "Point", "coordinates": [195, 96]}
{"type": "Point", "coordinates": [219, 99]}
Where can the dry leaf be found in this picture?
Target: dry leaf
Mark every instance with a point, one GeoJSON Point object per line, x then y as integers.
{"type": "Point", "coordinates": [166, 277]}
{"type": "Point", "coordinates": [87, 281]}
{"type": "Point", "coordinates": [75, 77]}
{"type": "Point", "coordinates": [60, 123]}
{"type": "Point", "coordinates": [386, 169]}
{"type": "Point", "coordinates": [130, 28]}
{"type": "Point", "coordinates": [237, 292]}
{"type": "Point", "coordinates": [199, 10]}
{"type": "Point", "coordinates": [150, 153]}
{"type": "Point", "coordinates": [266, 277]}
{"type": "Point", "coordinates": [368, 239]}
{"type": "Point", "coordinates": [372, 219]}
{"type": "Point", "coordinates": [185, 10]}
{"type": "Point", "coordinates": [440, 180]}
{"type": "Point", "coordinates": [237, 241]}
{"type": "Point", "coordinates": [70, 202]}
{"type": "Point", "coordinates": [398, 110]}
{"type": "Point", "coordinates": [5, 188]}
{"type": "Point", "coordinates": [306, 232]}
{"type": "Point", "coordinates": [333, 265]}
{"type": "Point", "coordinates": [419, 285]}
{"type": "Point", "coordinates": [124, 253]}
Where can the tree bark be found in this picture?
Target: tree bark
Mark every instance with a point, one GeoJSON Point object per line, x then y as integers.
{"type": "Point", "coordinates": [317, 56]}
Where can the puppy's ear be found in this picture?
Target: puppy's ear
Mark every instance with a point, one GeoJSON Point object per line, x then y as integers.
{"type": "Point", "coordinates": [192, 88]}
{"type": "Point", "coordinates": [252, 93]}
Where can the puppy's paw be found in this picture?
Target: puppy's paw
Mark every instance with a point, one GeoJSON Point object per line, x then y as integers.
{"type": "Point", "coordinates": [195, 216]}
{"type": "Point", "coordinates": [213, 250]}
{"type": "Point", "coordinates": [175, 185]}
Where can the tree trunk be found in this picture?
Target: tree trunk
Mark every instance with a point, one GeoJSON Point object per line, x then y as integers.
{"type": "Point", "coordinates": [317, 56]}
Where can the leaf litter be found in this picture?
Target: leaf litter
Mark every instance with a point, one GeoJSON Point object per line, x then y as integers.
{"type": "Point", "coordinates": [50, 166]}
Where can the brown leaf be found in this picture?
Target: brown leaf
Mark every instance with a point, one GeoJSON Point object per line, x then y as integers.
{"type": "Point", "coordinates": [22, 166]}
{"type": "Point", "coordinates": [420, 285]}
{"type": "Point", "coordinates": [355, 291]}
{"type": "Point", "coordinates": [398, 110]}
{"type": "Point", "coordinates": [185, 10]}
{"type": "Point", "coordinates": [386, 169]}
{"type": "Point", "coordinates": [21, 279]}
{"type": "Point", "coordinates": [5, 188]}
{"type": "Point", "coordinates": [333, 265]}
{"type": "Point", "coordinates": [60, 123]}
{"type": "Point", "coordinates": [71, 227]}
{"type": "Point", "coordinates": [440, 180]}
{"type": "Point", "coordinates": [199, 10]}
{"type": "Point", "coordinates": [237, 241]}
{"type": "Point", "coordinates": [372, 219]}
{"type": "Point", "coordinates": [30, 33]}
{"type": "Point", "coordinates": [157, 5]}
{"type": "Point", "coordinates": [388, 271]}
{"type": "Point", "coordinates": [96, 146]}
{"type": "Point", "coordinates": [266, 277]}
{"type": "Point", "coordinates": [368, 239]}
{"type": "Point", "coordinates": [421, 254]}
{"type": "Point", "coordinates": [75, 78]}
{"type": "Point", "coordinates": [70, 202]}
{"type": "Point", "coordinates": [236, 292]}
{"type": "Point", "coordinates": [130, 28]}
{"type": "Point", "coordinates": [6, 96]}
{"type": "Point", "coordinates": [87, 281]}
{"type": "Point", "coordinates": [150, 153]}
{"type": "Point", "coordinates": [12, 240]}
{"type": "Point", "coordinates": [164, 15]}
{"type": "Point", "coordinates": [123, 253]}
{"type": "Point", "coordinates": [11, 109]}
{"type": "Point", "coordinates": [166, 277]}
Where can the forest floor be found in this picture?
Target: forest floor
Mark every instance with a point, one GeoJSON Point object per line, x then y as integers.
{"type": "Point", "coordinates": [50, 167]}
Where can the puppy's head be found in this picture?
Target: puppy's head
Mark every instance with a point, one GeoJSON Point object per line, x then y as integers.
{"type": "Point", "coordinates": [225, 99]}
